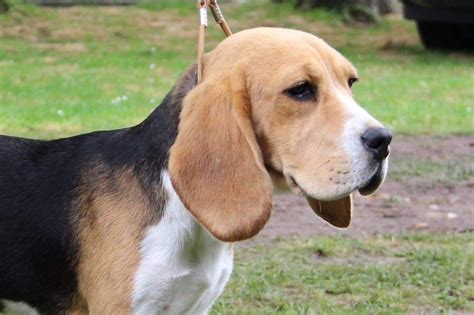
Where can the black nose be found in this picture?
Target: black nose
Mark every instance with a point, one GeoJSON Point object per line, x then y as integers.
{"type": "Point", "coordinates": [376, 140]}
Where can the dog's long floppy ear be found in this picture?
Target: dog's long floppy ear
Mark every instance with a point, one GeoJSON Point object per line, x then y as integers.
{"type": "Point", "coordinates": [336, 212]}
{"type": "Point", "coordinates": [216, 165]}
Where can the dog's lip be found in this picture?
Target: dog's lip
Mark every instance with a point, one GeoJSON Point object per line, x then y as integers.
{"type": "Point", "coordinates": [293, 181]}
{"type": "Point", "coordinates": [374, 182]}
{"type": "Point", "coordinates": [305, 194]}
{"type": "Point", "coordinates": [295, 184]}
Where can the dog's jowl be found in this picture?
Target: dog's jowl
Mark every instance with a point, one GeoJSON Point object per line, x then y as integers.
{"type": "Point", "coordinates": [141, 220]}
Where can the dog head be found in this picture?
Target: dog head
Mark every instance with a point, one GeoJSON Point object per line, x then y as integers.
{"type": "Point", "coordinates": [275, 105]}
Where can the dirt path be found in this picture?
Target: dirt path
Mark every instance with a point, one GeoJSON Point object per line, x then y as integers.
{"type": "Point", "coordinates": [430, 187]}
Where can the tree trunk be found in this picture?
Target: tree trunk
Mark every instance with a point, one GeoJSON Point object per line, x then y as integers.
{"type": "Point", "coordinates": [376, 6]}
{"type": "Point", "coordinates": [4, 7]}
{"type": "Point", "coordinates": [354, 11]}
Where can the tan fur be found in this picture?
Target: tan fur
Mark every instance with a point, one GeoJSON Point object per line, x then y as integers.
{"type": "Point", "coordinates": [216, 163]}
{"type": "Point", "coordinates": [215, 151]}
{"type": "Point", "coordinates": [111, 226]}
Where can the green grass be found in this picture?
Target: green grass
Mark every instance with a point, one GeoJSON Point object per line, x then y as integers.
{"type": "Point", "coordinates": [62, 69]}
{"type": "Point", "coordinates": [337, 275]}
{"type": "Point", "coordinates": [447, 171]}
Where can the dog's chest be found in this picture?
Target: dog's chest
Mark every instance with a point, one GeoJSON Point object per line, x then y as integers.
{"type": "Point", "coordinates": [182, 269]}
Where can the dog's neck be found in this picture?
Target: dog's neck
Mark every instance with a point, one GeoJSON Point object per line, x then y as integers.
{"type": "Point", "coordinates": [152, 139]}
{"type": "Point", "coordinates": [161, 127]}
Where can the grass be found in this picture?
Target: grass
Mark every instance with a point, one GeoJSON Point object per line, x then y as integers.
{"type": "Point", "coordinates": [447, 171]}
{"type": "Point", "coordinates": [73, 70]}
{"type": "Point", "coordinates": [337, 275]}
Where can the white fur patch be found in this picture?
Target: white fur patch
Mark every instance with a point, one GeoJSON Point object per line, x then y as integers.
{"type": "Point", "coordinates": [18, 308]}
{"type": "Point", "coordinates": [183, 268]}
{"type": "Point", "coordinates": [358, 121]}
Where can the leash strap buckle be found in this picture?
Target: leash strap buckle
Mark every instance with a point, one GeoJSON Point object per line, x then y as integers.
{"type": "Point", "coordinates": [203, 16]}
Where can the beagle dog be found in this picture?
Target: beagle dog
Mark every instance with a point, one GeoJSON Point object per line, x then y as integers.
{"type": "Point", "coordinates": [141, 220]}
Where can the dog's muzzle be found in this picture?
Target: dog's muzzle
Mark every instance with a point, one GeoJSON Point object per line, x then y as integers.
{"type": "Point", "coordinates": [376, 180]}
{"type": "Point", "coordinates": [377, 142]}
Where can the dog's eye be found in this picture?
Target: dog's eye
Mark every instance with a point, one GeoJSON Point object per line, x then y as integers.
{"type": "Point", "coordinates": [351, 81]}
{"type": "Point", "coordinates": [303, 91]}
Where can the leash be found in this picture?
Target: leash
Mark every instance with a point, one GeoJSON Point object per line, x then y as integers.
{"type": "Point", "coordinates": [203, 5]}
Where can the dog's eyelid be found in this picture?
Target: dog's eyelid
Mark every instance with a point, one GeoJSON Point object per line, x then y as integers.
{"type": "Point", "coordinates": [302, 91]}
{"type": "Point", "coordinates": [298, 83]}
{"type": "Point", "coordinates": [352, 80]}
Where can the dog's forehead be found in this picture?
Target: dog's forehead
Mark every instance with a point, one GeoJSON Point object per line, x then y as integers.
{"type": "Point", "coordinates": [278, 47]}
{"type": "Point", "coordinates": [260, 37]}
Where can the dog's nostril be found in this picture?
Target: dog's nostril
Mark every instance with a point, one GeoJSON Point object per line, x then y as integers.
{"type": "Point", "coordinates": [377, 141]}
{"type": "Point", "coordinates": [376, 138]}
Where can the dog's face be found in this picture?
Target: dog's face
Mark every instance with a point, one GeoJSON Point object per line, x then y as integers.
{"type": "Point", "coordinates": [291, 101]}
{"type": "Point", "coordinates": [308, 125]}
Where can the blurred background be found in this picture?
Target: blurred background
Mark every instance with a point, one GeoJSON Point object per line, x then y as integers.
{"type": "Point", "coordinates": [74, 66]}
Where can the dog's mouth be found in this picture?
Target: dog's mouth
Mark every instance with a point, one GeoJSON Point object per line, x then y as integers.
{"type": "Point", "coordinates": [366, 189]}
{"type": "Point", "coordinates": [374, 182]}
{"type": "Point", "coordinates": [295, 184]}
{"type": "Point", "coordinates": [284, 182]}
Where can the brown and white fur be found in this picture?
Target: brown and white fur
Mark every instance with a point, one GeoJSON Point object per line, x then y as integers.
{"type": "Point", "coordinates": [150, 212]}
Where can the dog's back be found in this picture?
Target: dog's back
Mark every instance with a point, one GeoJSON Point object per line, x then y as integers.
{"type": "Point", "coordinates": [36, 189]}
{"type": "Point", "coordinates": [45, 184]}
